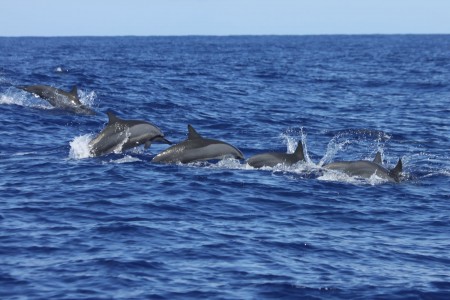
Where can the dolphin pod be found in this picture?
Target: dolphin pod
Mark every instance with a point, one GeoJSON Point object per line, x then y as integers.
{"type": "Point", "coordinates": [58, 98]}
{"type": "Point", "coordinates": [120, 135]}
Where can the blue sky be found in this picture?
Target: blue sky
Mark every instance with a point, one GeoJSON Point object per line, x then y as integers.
{"type": "Point", "coordinates": [221, 17]}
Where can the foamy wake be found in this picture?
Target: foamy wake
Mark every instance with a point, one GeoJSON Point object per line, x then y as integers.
{"type": "Point", "coordinates": [336, 176]}
{"type": "Point", "coordinates": [124, 160]}
{"type": "Point", "coordinates": [22, 99]}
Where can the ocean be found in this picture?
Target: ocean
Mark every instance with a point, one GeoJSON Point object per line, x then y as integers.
{"type": "Point", "coordinates": [121, 227]}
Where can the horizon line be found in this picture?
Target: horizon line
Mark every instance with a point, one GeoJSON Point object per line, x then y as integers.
{"type": "Point", "coordinates": [223, 35]}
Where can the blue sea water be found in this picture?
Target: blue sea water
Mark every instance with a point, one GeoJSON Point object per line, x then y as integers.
{"type": "Point", "coordinates": [121, 227]}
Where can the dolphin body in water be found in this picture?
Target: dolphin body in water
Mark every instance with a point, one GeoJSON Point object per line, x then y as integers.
{"type": "Point", "coordinates": [120, 135]}
{"type": "Point", "coordinates": [365, 168]}
{"type": "Point", "coordinates": [58, 98]}
{"type": "Point", "coordinates": [272, 159]}
{"type": "Point", "coordinates": [197, 148]}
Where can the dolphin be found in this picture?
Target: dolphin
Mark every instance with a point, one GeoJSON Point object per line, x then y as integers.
{"type": "Point", "coordinates": [366, 168]}
{"type": "Point", "coordinates": [120, 135]}
{"type": "Point", "coordinates": [272, 159]}
{"type": "Point", "coordinates": [196, 148]}
{"type": "Point", "coordinates": [60, 99]}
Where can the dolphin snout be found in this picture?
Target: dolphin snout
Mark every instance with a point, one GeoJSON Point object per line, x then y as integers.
{"type": "Point", "coordinates": [162, 140]}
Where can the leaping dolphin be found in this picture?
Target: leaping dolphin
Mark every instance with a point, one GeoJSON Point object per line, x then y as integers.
{"type": "Point", "coordinates": [365, 168]}
{"type": "Point", "coordinates": [272, 159]}
{"type": "Point", "coordinates": [196, 148]}
{"type": "Point", "coordinates": [120, 135]}
{"type": "Point", "coordinates": [60, 99]}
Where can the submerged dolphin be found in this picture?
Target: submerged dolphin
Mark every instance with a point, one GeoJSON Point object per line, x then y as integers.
{"type": "Point", "coordinates": [272, 159]}
{"type": "Point", "coordinates": [60, 99]}
{"type": "Point", "coordinates": [120, 135]}
{"type": "Point", "coordinates": [365, 168]}
{"type": "Point", "coordinates": [196, 148]}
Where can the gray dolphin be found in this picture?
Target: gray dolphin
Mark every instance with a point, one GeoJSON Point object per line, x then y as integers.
{"type": "Point", "coordinates": [196, 148]}
{"type": "Point", "coordinates": [365, 168]}
{"type": "Point", "coordinates": [60, 99]}
{"type": "Point", "coordinates": [272, 159]}
{"type": "Point", "coordinates": [120, 135]}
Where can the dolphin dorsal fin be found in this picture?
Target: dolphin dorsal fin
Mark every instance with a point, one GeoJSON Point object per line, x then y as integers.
{"type": "Point", "coordinates": [192, 134]}
{"type": "Point", "coordinates": [395, 172]}
{"type": "Point", "coordinates": [74, 91]}
{"type": "Point", "coordinates": [299, 151]}
{"type": "Point", "coordinates": [377, 158]}
{"type": "Point", "coordinates": [112, 118]}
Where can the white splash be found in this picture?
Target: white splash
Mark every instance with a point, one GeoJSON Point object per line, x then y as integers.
{"type": "Point", "coordinates": [12, 97]}
{"type": "Point", "coordinates": [336, 176]}
{"type": "Point", "coordinates": [332, 149]}
{"type": "Point", "coordinates": [124, 160]}
{"type": "Point", "coordinates": [61, 70]}
{"type": "Point", "coordinates": [24, 153]}
{"type": "Point", "coordinates": [79, 147]}
{"type": "Point", "coordinates": [7, 99]}
{"type": "Point", "coordinates": [87, 98]}
{"type": "Point", "coordinates": [292, 137]}
{"type": "Point", "coordinates": [230, 163]}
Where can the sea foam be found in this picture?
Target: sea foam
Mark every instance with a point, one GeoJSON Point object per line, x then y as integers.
{"type": "Point", "coordinates": [79, 147]}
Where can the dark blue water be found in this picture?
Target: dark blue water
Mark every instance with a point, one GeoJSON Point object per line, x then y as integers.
{"type": "Point", "coordinates": [121, 227]}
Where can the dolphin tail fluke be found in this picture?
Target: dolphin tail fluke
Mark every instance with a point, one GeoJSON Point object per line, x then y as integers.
{"type": "Point", "coordinates": [395, 172]}
{"type": "Point", "coordinates": [377, 159]}
{"type": "Point", "coordinates": [299, 151]}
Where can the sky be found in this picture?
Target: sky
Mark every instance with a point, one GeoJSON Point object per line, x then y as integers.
{"type": "Point", "coordinates": [222, 17]}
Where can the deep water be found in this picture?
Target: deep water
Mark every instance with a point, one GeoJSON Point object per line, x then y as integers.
{"type": "Point", "coordinates": [122, 227]}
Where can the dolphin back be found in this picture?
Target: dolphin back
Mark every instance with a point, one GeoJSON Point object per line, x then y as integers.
{"type": "Point", "coordinates": [58, 98]}
{"type": "Point", "coordinates": [267, 160]}
{"type": "Point", "coordinates": [197, 148]}
{"type": "Point", "coordinates": [271, 159]}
